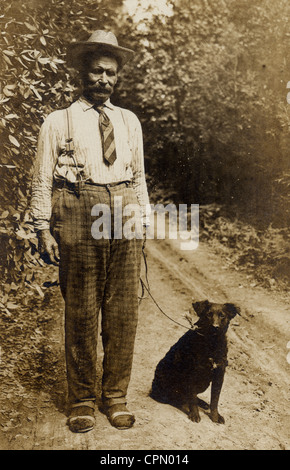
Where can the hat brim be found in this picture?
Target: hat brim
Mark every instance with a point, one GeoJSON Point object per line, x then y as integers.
{"type": "Point", "coordinates": [76, 50]}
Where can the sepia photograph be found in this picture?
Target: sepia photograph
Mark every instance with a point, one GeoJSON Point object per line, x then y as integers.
{"type": "Point", "coordinates": [144, 227]}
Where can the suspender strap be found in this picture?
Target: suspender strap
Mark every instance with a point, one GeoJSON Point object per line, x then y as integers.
{"type": "Point", "coordinates": [69, 145]}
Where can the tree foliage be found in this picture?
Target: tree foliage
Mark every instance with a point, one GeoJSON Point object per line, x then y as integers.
{"type": "Point", "coordinates": [208, 83]}
{"type": "Point", "coordinates": [211, 86]}
{"type": "Point", "coordinates": [35, 81]}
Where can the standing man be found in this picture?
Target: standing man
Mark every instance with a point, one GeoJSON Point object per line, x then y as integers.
{"type": "Point", "coordinates": [91, 155]}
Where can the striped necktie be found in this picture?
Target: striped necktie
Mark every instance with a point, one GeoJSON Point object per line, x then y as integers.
{"type": "Point", "coordinates": [107, 136]}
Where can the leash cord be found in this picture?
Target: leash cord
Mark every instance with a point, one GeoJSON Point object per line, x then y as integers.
{"type": "Point", "coordinates": [149, 292]}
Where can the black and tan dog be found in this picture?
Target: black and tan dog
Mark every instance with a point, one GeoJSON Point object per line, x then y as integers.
{"type": "Point", "coordinates": [196, 360]}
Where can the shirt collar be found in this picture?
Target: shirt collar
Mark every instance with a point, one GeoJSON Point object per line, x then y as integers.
{"type": "Point", "coordinates": [86, 105]}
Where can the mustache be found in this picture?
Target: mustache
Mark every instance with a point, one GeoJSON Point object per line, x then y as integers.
{"type": "Point", "coordinates": [94, 87]}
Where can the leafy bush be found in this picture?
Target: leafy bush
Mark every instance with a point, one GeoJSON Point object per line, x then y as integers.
{"type": "Point", "coordinates": [35, 81]}
{"type": "Point", "coordinates": [210, 88]}
{"type": "Point", "coordinates": [262, 253]}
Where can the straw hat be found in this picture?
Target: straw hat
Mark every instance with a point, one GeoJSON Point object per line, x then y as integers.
{"type": "Point", "coordinates": [99, 40]}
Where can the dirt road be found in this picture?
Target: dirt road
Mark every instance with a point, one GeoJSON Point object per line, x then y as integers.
{"type": "Point", "coordinates": [255, 396]}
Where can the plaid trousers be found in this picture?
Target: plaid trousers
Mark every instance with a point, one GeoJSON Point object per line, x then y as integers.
{"type": "Point", "coordinates": [96, 275]}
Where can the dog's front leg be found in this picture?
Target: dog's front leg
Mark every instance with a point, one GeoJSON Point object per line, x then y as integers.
{"type": "Point", "coordinates": [216, 386]}
{"type": "Point", "coordinates": [193, 409]}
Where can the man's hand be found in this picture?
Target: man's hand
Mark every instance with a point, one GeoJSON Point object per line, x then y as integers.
{"type": "Point", "coordinates": [48, 247]}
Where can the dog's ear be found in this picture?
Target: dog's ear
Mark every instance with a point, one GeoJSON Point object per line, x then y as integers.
{"type": "Point", "coordinates": [232, 310]}
{"type": "Point", "coordinates": [201, 307]}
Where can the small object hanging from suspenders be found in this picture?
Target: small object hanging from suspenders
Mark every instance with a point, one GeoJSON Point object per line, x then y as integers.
{"type": "Point", "coordinates": [70, 151]}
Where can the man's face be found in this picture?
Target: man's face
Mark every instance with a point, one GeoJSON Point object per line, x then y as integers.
{"type": "Point", "coordinates": [99, 78]}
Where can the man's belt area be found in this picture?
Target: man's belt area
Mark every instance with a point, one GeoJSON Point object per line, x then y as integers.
{"type": "Point", "coordinates": [78, 186]}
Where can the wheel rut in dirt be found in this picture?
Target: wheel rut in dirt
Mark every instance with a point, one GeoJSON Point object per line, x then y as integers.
{"type": "Point", "coordinates": [255, 395]}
